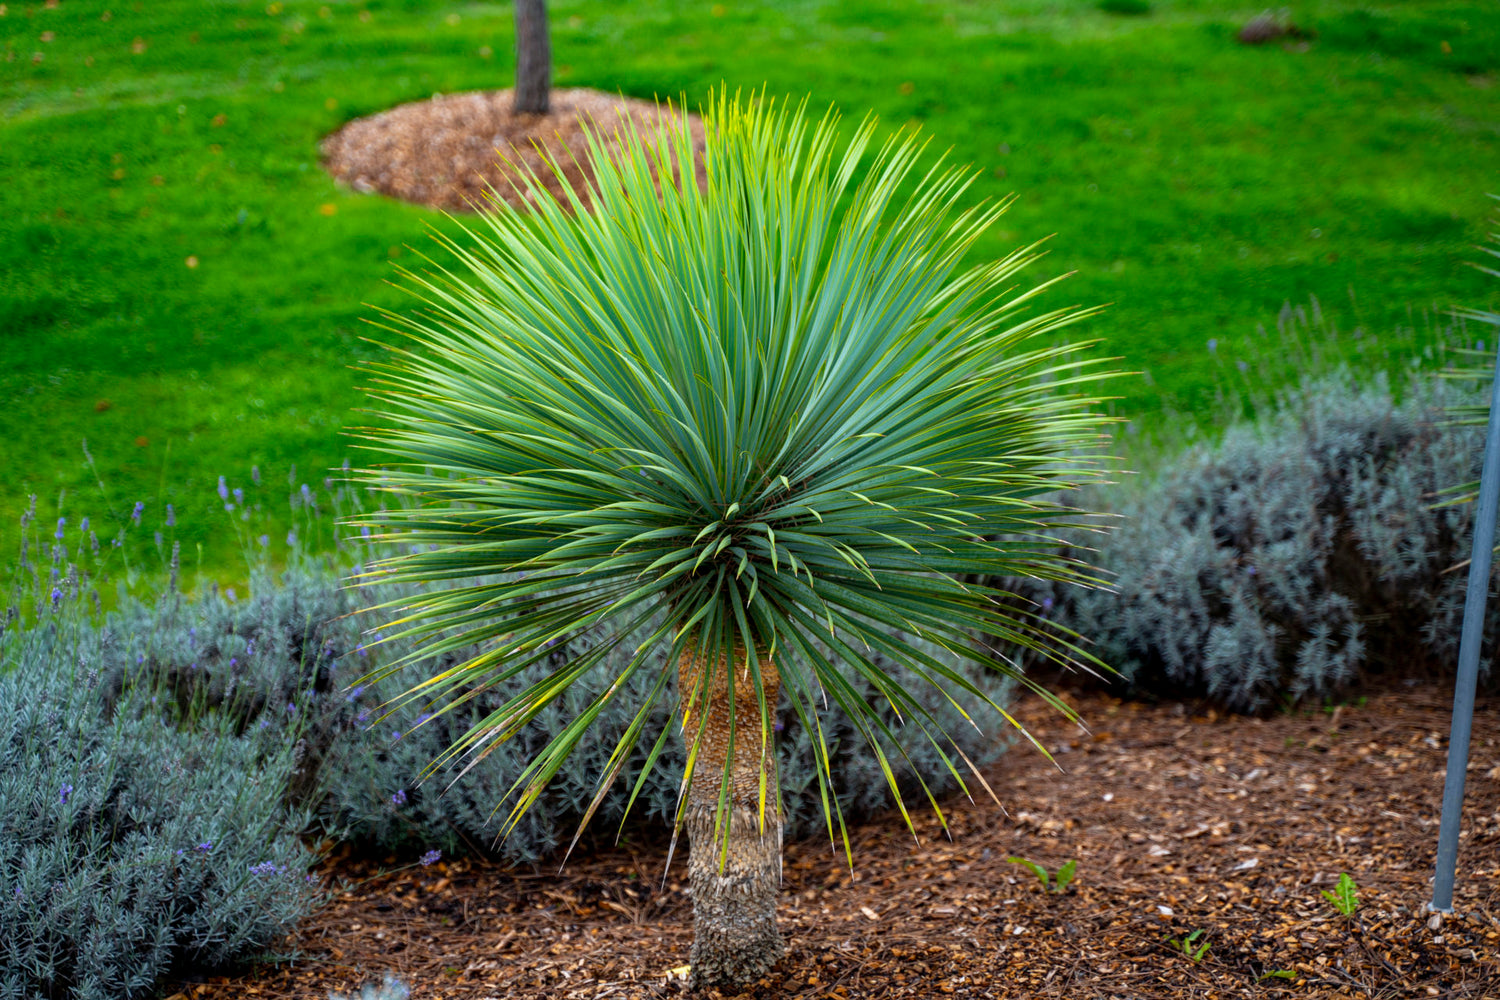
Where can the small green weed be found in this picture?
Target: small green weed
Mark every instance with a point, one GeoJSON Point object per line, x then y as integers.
{"type": "Point", "coordinates": [1054, 883]}
{"type": "Point", "coordinates": [1344, 897]}
{"type": "Point", "coordinates": [1194, 946]}
{"type": "Point", "coordinates": [1278, 974]}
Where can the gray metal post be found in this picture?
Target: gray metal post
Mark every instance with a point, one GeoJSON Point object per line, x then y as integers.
{"type": "Point", "coordinates": [1468, 659]}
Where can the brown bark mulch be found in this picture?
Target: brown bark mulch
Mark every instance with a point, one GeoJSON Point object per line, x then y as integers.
{"type": "Point", "coordinates": [1179, 822]}
{"type": "Point", "coordinates": [451, 151]}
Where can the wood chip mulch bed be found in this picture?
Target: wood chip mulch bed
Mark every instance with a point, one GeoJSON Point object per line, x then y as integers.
{"type": "Point", "coordinates": [1179, 822]}
{"type": "Point", "coordinates": [451, 151]}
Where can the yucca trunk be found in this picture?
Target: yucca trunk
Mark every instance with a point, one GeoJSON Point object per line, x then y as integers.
{"type": "Point", "coordinates": [735, 877]}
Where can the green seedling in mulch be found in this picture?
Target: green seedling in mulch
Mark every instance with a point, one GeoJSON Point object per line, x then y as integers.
{"type": "Point", "coordinates": [1054, 883]}
{"type": "Point", "coordinates": [1344, 897]}
{"type": "Point", "coordinates": [1278, 974]}
{"type": "Point", "coordinates": [1194, 946]}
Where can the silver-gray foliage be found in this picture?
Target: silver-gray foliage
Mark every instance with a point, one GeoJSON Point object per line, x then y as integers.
{"type": "Point", "coordinates": [368, 777]}
{"type": "Point", "coordinates": [390, 988]}
{"type": "Point", "coordinates": [283, 664]}
{"type": "Point", "coordinates": [135, 837]}
{"type": "Point", "coordinates": [1294, 557]}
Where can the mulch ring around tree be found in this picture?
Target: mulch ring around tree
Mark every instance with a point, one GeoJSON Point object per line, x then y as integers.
{"type": "Point", "coordinates": [452, 151]}
{"type": "Point", "coordinates": [1180, 823]}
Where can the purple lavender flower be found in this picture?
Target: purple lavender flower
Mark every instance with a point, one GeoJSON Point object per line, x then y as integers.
{"type": "Point", "coordinates": [223, 489]}
{"type": "Point", "coordinates": [204, 847]}
{"type": "Point", "coordinates": [1046, 604]}
{"type": "Point", "coordinates": [83, 525]}
{"type": "Point", "coordinates": [291, 706]}
{"type": "Point", "coordinates": [135, 513]}
{"type": "Point", "coordinates": [59, 533]}
{"type": "Point", "coordinates": [1213, 344]}
{"type": "Point", "coordinates": [264, 540]}
{"type": "Point", "coordinates": [306, 494]}
{"type": "Point", "coordinates": [358, 690]}
{"type": "Point", "coordinates": [291, 537]}
{"type": "Point", "coordinates": [265, 868]}
{"type": "Point", "coordinates": [56, 598]}
{"type": "Point", "coordinates": [63, 794]}
{"type": "Point", "coordinates": [364, 715]}
{"type": "Point", "coordinates": [365, 530]}
{"type": "Point", "coordinates": [230, 594]}
{"type": "Point", "coordinates": [171, 517]}
{"type": "Point", "coordinates": [399, 798]}
{"type": "Point", "coordinates": [239, 495]}
{"type": "Point", "coordinates": [431, 857]}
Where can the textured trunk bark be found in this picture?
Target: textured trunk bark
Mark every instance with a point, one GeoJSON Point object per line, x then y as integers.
{"type": "Point", "coordinates": [533, 58]}
{"type": "Point", "coordinates": [735, 940]}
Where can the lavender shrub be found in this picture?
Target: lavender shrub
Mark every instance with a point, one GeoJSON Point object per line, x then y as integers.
{"type": "Point", "coordinates": [1297, 558]}
{"type": "Point", "coordinates": [282, 665]}
{"type": "Point", "coordinates": [135, 839]}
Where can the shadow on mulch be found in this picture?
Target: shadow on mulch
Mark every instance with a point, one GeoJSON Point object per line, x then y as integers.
{"type": "Point", "coordinates": [1179, 823]}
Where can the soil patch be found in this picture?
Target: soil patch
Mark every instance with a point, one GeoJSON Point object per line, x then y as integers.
{"type": "Point", "coordinates": [450, 151]}
{"type": "Point", "coordinates": [1179, 821]}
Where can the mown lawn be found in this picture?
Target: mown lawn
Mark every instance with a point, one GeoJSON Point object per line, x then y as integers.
{"type": "Point", "coordinates": [182, 286]}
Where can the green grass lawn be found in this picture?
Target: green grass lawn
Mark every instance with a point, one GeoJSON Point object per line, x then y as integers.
{"type": "Point", "coordinates": [1193, 182]}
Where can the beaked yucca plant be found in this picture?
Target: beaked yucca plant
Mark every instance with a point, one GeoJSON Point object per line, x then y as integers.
{"type": "Point", "coordinates": [750, 411]}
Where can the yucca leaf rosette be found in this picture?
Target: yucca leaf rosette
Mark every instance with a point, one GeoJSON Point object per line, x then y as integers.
{"type": "Point", "coordinates": [755, 406]}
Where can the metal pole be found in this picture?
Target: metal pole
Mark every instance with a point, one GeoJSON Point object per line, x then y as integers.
{"type": "Point", "coordinates": [1468, 659]}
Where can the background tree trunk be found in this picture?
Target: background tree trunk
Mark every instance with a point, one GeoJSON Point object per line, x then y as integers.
{"type": "Point", "coordinates": [533, 58]}
{"type": "Point", "coordinates": [735, 939]}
